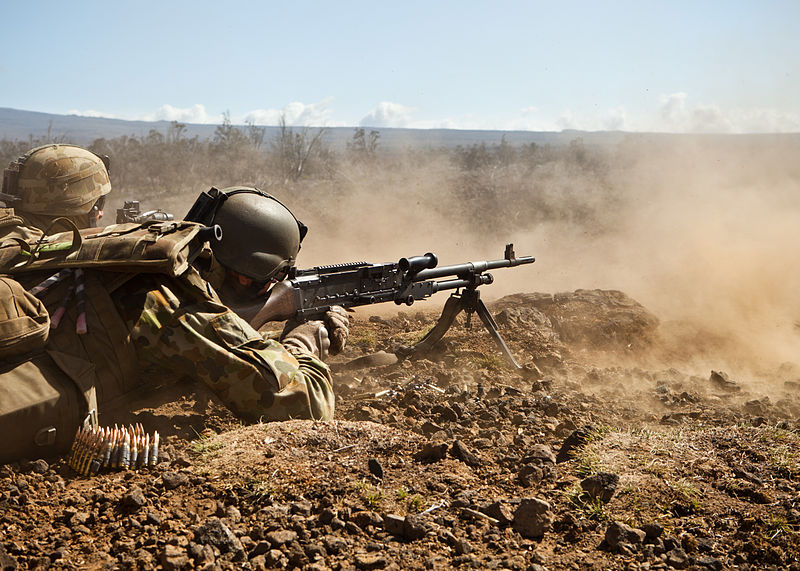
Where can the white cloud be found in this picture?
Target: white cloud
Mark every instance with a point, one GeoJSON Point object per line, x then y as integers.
{"type": "Point", "coordinates": [615, 120]}
{"type": "Point", "coordinates": [195, 114]}
{"type": "Point", "coordinates": [676, 116]}
{"type": "Point", "coordinates": [671, 113]}
{"type": "Point", "coordinates": [388, 114]}
{"type": "Point", "coordinates": [296, 113]}
{"type": "Point", "coordinates": [567, 120]}
{"type": "Point", "coordinates": [92, 113]}
{"type": "Point", "coordinates": [672, 109]}
{"type": "Point", "coordinates": [768, 121]}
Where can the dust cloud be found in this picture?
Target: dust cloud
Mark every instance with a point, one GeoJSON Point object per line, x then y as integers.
{"type": "Point", "coordinates": [703, 231]}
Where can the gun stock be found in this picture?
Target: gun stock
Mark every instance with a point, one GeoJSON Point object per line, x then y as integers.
{"type": "Point", "coordinates": [280, 305]}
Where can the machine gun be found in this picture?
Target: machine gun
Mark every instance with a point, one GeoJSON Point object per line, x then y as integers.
{"type": "Point", "coordinates": [308, 294]}
{"type": "Point", "coordinates": [131, 212]}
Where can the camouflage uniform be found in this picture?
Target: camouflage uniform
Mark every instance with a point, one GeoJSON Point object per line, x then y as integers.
{"type": "Point", "coordinates": [145, 330]}
{"type": "Point", "coordinates": [154, 329]}
{"type": "Point", "coordinates": [13, 226]}
{"type": "Point", "coordinates": [197, 336]}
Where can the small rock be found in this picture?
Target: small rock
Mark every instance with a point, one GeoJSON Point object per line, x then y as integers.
{"type": "Point", "coordinates": [601, 486]}
{"type": "Point", "coordinates": [367, 518]}
{"type": "Point", "coordinates": [233, 514]}
{"type": "Point", "coordinates": [619, 533]}
{"type": "Point", "coordinates": [653, 530]}
{"type": "Point", "coordinates": [282, 537]}
{"type": "Point", "coordinates": [326, 516]}
{"type": "Point", "coordinates": [260, 549]}
{"type": "Point", "coordinates": [459, 451]}
{"type": "Point", "coordinates": [393, 524]}
{"type": "Point", "coordinates": [379, 359]}
{"type": "Point", "coordinates": [431, 452]}
{"type": "Point", "coordinates": [375, 468]}
{"type": "Point", "coordinates": [144, 559]}
{"type": "Point", "coordinates": [275, 558]}
{"type": "Point", "coordinates": [414, 527]}
{"type": "Point", "coordinates": [172, 480]}
{"type": "Point", "coordinates": [7, 562]}
{"type": "Point", "coordinates": [540, 452]}
{"type": "Point", "coordinates": [315, 551]}
{"type": "Point", "coordinates": [710, 563]}
{"type": "Point", "coordinates": [573, 442]}
{"type": "Point", "coordinates": [445, 413]}
{"type": "Point", "coordinates": [302, 507]}
{"type": "Point", "coordinates": [201, 554]}
{"type": "Point", "coordinates": [333, 544]}
{"type": "Point", "coordinates": [533, 518]}
{"type": "Point", "coordinates": [79, 518]}
{"type": "Point", "coordinates": [133, 500]}
{"type": "Point", "coordinates": [677, 559]}
{"type": "Point", "coordinates": [462, 546]}
{"type": "Point", "coordinates": [530, 475]}
{"type": "Point", "coordinates": [173, 557]}
{"type": "Point", "coordinates": [720, 379]}
{"type": "Point", "coordinates": [215, 532]}
{"type": "Point", "coordinates": [429, 428]}
{"type": "Point", "coordinates": [499, 511]}
{"type": "Point", "coordinates": [39, 466]}
{"type": "Point", "coordinates": [370, 561]}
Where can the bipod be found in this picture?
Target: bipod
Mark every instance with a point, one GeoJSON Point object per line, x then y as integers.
{"type": "Point", "coordinates": [468, 301]}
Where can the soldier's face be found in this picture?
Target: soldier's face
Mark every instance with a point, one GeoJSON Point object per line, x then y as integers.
{"type": "Point", "coordinates": [96, 213]}
{"type": "Point", "coordinates": [247, 286]}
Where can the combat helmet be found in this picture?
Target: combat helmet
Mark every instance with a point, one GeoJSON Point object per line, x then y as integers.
{"type": "Point", "coordinates": [56, 180]}
{"type": "Point", "coordinates": [260, 236]}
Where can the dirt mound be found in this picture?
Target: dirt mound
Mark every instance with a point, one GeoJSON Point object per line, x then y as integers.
{"type": "Point", "coordinates": [600, 319]}
{"type": "Point", "coordinates": [453, 460]}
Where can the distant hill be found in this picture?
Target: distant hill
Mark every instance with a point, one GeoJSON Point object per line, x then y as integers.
{"type": "Point", "coordinates": [16, 124]}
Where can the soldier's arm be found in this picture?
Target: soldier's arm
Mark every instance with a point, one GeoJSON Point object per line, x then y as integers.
{"type": "Point", "coordinates": [257, 379]}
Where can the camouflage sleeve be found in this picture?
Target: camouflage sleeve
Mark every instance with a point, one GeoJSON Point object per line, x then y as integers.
{"type": "Point", "coordinates": [257, 379]}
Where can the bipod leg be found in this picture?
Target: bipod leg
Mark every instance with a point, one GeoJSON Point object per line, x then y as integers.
{"type": "Point", "coordinates": [491, 326]}
{"type": "Point", "coordinates": [452, 307]}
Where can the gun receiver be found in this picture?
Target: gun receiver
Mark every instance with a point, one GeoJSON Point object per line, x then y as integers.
{"type": "Point", "coordinates": [308, 294]}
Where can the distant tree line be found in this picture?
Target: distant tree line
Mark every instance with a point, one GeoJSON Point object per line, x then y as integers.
{"type": "Point", "coordinates": [487, 185]}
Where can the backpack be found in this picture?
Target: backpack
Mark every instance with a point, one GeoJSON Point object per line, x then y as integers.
{"type": "Point", "coordinates": [157, 247]}
{"type": "Point", "coordinates": [24, 321]}
{"type": "Point", "coordinates": [49, 384]}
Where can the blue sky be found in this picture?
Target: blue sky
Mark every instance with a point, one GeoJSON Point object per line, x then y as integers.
{"type": "Point", "coordinates": [674, 66]}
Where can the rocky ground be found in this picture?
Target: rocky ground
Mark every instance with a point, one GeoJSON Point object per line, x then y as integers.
{"type": "Point", "coordinates": [606, 451]}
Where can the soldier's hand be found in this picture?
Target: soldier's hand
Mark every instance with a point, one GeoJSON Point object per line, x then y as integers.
{"type": "Point", "coordinates": [311, 337]}
{"type": "Point", "coordinates": [337, 322]}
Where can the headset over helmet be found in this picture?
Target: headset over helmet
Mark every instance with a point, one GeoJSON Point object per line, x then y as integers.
{"type": "Point", "coordinates": [56, 180]}
{"type": "Point", "coordinates": [260, 236]}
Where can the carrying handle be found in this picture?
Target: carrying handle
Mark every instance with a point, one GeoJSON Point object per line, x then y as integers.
{"type": "Point", "coordinates": [42, 247]}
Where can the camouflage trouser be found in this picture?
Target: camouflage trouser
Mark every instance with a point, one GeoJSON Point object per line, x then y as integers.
{"type": "Point", "coordinates": [257, 379]}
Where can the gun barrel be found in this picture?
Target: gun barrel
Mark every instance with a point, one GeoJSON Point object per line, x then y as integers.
{"type": "Point", "coordinates": [471, 268]}
{"type": "Point", "coordinates": [485, 279]}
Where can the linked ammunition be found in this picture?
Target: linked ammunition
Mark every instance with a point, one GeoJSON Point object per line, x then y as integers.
{"type": "Point", "coordinates": [99, 448]}
{"type": "Point", "coordinates": [146, 451]}
{"type": "Point", "coordinates": [154, 449]}
{"type": "Point", "coordinates": [125, 456]}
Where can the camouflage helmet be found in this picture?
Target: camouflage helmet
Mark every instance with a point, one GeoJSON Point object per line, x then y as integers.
{"type": "Point", "coordinates": [61, 180]}
{"type": "Point", "coordinates": [260, 236]}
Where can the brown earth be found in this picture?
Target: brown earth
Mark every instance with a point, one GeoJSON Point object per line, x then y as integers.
{"type": "Point", "coordinates": [607, 451]}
